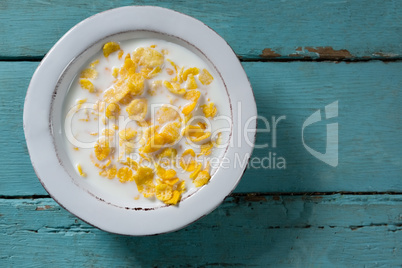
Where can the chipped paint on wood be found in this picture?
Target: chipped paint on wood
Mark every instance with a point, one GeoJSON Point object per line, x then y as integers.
{"type": "Point", "coordinates": [361, 28]}
{"type": "Point", "coordinates": [269, 53]}
{"type": "Point", "coordinates": [46, 207]}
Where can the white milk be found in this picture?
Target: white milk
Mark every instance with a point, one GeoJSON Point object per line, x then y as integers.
{"type": "Point", "coordinates": [113, 191]}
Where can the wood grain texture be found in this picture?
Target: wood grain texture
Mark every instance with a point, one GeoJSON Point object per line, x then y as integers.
{"type": "Point", "coordinates": [319, 231]}
{"type": "Point", "coordinates": [255, 29]}
{"type": "Point", "coordinates": [370, 148]}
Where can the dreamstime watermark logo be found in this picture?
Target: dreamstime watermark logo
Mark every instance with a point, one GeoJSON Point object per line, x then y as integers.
{"type": "Point", "coordinates": [199, 132]}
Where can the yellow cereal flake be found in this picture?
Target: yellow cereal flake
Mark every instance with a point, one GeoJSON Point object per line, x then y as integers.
{"type": "Point", "coordinates": [206, 148]}
{"type": "Point", "coordinates": [196, 133]}
{"type": "Point", "coordinates": [175, 198]}
{"type": "Point", "coordinates": [89, 73]}
{"type": "Point", "coordinates": [196, 171]}
{"type": "Point", "coordinates": [189, 108]}
{"type": "Point", "coordinates": [218, 140]}
{"type": "Point", "coordinates": [202, 178]}
{"type": "Point", "coordinates": [171, 133]}
{"type": "Point", "coordinates": [80, 103]}
{"type": "Point", "coordinates": [191, 83]}
{"type": "Point", "coordinates": [165, 174]}
{"type": "Point", "coordinates": [164, 192]}
{"type": "Point", "coordinates": [149, 73]}
{"type": "Point", "coordinates": [192, 95]}
{"type": "Point", "coordinates": [86, 84]}
{"type": "Point", "coordinates": [194, 71]}
{"type": "Point", "coordinates": [147, 132]}
{"type": "Point", "coordinates": [80, 171]}
{"type": "Point", "coordinates": [112, 111]}
{"type": "Point", "coordinates": [94, 63]}
{"type": "Point", "coordinates": [173, 64]}
{"type": "Point", "coordinates": [130, 163]}
{"type": "Point", "coordinates": [205, 77]}
{"type": "Point", "coordinates": [137, 109]}
{"type": "Point", "coordinates": [167, 156]}
{"type": "Point", "coordinates": [153, 144]}
{"type": "Point", "coordinates": [171, 182]}
{"type": "Point", "coordinates": [117, 92]}
{"type": "Point", "coordinates": [187, 161]}
{"type": "Point", "coordinates": [109, 173]}
{"type": "Point", "coordinates": [135, 83]}
{"type": "Point", "coordinates": [148, 57]}
{"type": "Point", "coordinates": [126, 99]}
{"type": "Point", "coordinates": [99, 165]}
{"type": "Point", "coordinates": [167, 114]}
{"type": "Point", "coordinates": [174, 88]}
{"type": "Point", "coordinates": [120, 54]}
{"type": "Point", "coordinates": [179, 76]}
{"type": "Point", "coordinates": [144, 180]}
{"type": "Point", "coordinates": [102, 149]}
{"type": "Point", "coordinates": [108, 133]}
{"type": "Point", "coordinates": [115, 72]}
{"type": "Point", "coordinates": [127, 134]}
{"type": "Point", "coordinates": [181, 186]}
{"type": "Point", "coordinates": [125, 174]}
{"type": "Point", "coordinates": [209, 110]}
{"type": "Point", "coordinates": [129, 67]}
{"type": "Point", "coordinates": [109, 48]}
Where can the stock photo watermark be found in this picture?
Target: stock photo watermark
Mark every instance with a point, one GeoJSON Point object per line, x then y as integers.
{"type": "Point", "coordinates": [208, 132]}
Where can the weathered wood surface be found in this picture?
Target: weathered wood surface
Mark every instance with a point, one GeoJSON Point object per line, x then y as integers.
{"type": "Point", "coordinates": [255, 29]}
{"type": "Point", "coordinates": [272, 229]}
{"type": "Point", "coordinates": [298, 231]}
{"type": "Point", "coordinates": [370, 123]}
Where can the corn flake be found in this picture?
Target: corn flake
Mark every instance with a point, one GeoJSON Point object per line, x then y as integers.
{"type": "Point", "coordinates": [166, 114]}
{"type": "Point", "coordinates": [80, 171]}
{"type": "Point", "coordinates": [205, 77]}
{"type": "Point", "coordinates": [194, 71]}
{"type": "Point", "coordinates": [109, 173]}
{"type": "Point", "coordinates": [191, 83]}
{"type": "Point", "coordinates": [125, 174]}
{"type": "Point", "coordinates": [209, 110]}
{"type": "Point", "coordinates": [102, 149]}
{"type": "Point", "coordinates": [148, 57]}
{"type": "Point", "coordinates": [174, 88]}
{"type": "Point", "coordinates": [164, 192]}
{"type": "Point", "coordinates": [86, 84]}
{"type": "Point", "coordinates": [109, 48]}
{"type": "Point", "coordinates": [112, 110]}
{"type": "Point", "coordinates": [137, 109]}
{"type": "Point", "coordinates": [89, 73]}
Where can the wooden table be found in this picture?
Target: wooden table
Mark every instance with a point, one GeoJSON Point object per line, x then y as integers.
{"type": "Point", "coordinates": [299, 56]}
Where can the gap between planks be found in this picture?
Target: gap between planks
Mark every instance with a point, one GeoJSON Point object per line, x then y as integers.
{"type": "Point", "coordinates": [246, 195]}
{"type": "Point", "coordinates": [243, 59]}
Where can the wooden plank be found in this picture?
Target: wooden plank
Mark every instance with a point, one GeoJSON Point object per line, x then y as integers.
{"type": "Point", "coordinates": [370, 148]}
{"type": "Point", "coordinates": [255, 29]}
{"type": "Point", "coordinates": [282, 231]}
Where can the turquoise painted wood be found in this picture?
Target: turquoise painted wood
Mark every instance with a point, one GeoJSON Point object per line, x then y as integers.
{"type": "Point", "coordinates": [352, 29]}
{"type": "Point", "coordinates": [369, 139]}
{"type": "Point", "coordinates": [300, 231]}
{"type": "Point", "coordinates": [270, 227]}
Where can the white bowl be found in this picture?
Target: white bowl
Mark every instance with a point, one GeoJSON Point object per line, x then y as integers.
{"type": "Point", "coordinates": [50, 84]}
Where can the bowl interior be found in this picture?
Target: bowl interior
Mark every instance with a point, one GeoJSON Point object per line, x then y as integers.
{"type": "Point", "coordinates": [59, 109]}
